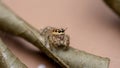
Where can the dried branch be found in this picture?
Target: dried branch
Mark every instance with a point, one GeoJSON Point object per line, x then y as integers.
{"type": "Point", "coordinates": [72, 58]}
{"type": "Point", "coordinates": [114, 5]}
{"type": "Point", "coordinates": [7, 59]}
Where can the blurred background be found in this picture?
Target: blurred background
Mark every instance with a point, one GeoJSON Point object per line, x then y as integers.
{"type": "Point", "coordinates": [92, 27]}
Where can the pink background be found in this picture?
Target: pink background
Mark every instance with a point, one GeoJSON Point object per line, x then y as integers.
{"type": "Point", "coordinates": [93, 27]}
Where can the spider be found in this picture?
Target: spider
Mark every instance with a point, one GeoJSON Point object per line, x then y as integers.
{"type": "Point", "coordinates": [55, 38]}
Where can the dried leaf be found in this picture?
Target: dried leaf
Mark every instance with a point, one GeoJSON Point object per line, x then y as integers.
{"type": "Point", "coordinates": [7, 59]}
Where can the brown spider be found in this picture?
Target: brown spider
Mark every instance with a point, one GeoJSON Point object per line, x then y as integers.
{"type": "Point", "coordinates": [55, 38]}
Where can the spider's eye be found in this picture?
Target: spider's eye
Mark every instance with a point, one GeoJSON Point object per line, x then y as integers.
{"type": "Point", "coordinates": [59, 31]}
{"type": "Point", "coordinates": [62, 30]}
{"type": "Point", "coordinates": [55, 30]}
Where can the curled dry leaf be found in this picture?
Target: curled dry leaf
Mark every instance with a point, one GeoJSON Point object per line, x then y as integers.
{"type": "Point", "coordinates": [8, 59]}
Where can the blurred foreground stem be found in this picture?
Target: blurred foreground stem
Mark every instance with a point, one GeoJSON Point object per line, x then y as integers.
{"type": "Point", "coordinates": [7, 59]}
{"type": "Point", "coordinates": [73, 58]}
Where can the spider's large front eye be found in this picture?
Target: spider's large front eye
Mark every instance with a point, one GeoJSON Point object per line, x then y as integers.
{"type": "Point", "coordinates": [59, 31]}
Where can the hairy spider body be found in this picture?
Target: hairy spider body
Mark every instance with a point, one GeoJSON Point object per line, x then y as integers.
{"type": "Point", "coordinates": [55, 38]}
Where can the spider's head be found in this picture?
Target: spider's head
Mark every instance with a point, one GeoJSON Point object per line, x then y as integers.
{"type": "Point", "coordinates": [58, 31]}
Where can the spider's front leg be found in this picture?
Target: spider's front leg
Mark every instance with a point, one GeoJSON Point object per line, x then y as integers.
{"type": "Point", "coordinates": [66, 42]}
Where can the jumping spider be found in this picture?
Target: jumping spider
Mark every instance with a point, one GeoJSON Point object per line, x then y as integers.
{"type": "Point", "coordinates": [55, 38]}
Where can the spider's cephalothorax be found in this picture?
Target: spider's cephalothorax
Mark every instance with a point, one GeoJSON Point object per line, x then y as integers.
{"type": "Point", "coordinates": [56, 38]}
